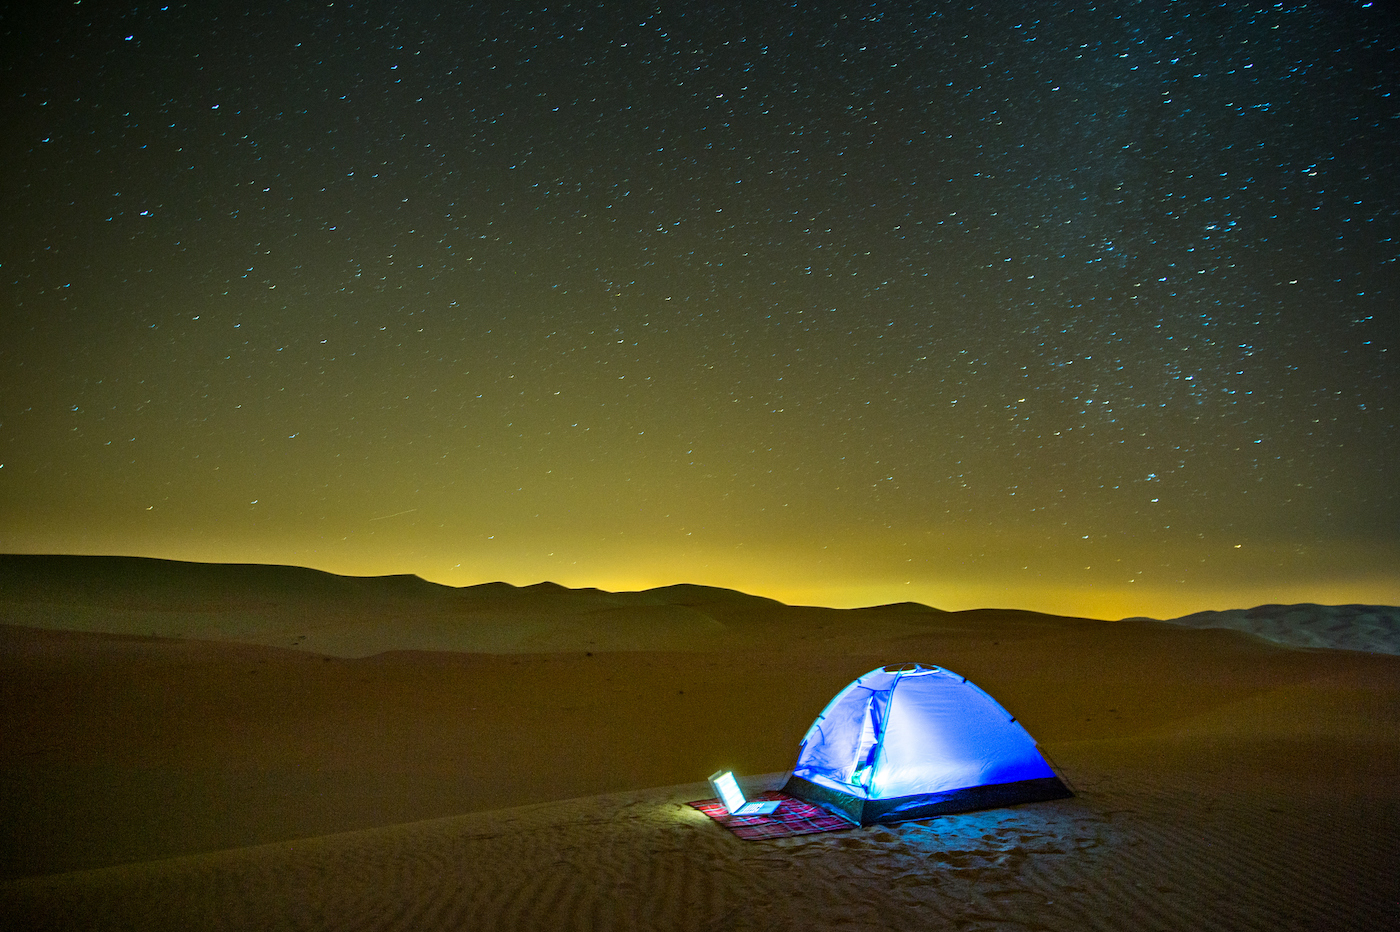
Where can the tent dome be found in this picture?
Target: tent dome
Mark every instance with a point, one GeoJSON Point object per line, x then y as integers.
{"type": "Point", "coordinates": [910, 741]}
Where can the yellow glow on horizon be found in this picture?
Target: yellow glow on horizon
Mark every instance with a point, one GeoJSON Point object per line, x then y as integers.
{"type": "Point", "coordinates": [849, 579]}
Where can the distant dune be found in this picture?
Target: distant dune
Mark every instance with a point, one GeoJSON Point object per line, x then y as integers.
{"type": "Point", "coordinates": [1374, 628]}
{"type": "Point", "coordinates": [264, 747]}
{"type": "Point", "coordinates": [344, 616]}
{"type": "Point", "coordinates": [352, 616]}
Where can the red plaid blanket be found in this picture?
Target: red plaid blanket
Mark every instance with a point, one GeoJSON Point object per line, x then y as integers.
{"type": "Point", "coordinates": [793, 817]}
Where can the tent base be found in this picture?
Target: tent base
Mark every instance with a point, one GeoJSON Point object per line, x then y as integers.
{"type": "Point", "coordinates": [904, 808]}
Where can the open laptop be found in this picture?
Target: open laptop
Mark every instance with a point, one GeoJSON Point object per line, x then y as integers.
{"type": "Point", "coordinates": [727, 789]}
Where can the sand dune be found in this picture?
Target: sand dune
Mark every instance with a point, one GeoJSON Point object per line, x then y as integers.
{"type": "Point", "coordinates": [255, 766]}
{"type": "Point", "coordinates": [1373, 628]}
{"type": "Point", "coordinates": [341, 616]}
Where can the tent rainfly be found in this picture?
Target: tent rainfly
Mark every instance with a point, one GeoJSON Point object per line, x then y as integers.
{"type": "Point", "coordinates": [910, 741]}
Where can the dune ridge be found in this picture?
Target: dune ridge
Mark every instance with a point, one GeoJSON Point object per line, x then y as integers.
{"type": "Point", "coordinates": [351, 616]}
{"type": "Point", "coordinates": [1373, 628]}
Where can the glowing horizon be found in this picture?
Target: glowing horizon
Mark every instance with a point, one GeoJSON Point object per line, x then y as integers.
{"type": "Point", "coordinates": [807, 584]}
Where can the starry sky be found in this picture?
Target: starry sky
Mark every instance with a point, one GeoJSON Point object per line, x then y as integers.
{"type": "Point", "coordinates": [1075, 307]}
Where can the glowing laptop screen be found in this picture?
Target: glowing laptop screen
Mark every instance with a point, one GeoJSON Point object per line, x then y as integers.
{"type": "Point", "coordinates": [728, 789]}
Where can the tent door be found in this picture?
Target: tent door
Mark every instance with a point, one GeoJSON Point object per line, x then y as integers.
{"type": "Point", "coordinates": [868, 747]}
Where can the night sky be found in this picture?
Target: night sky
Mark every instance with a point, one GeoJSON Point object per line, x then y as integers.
{"type": "Point", "coordinates": [1070, 307]}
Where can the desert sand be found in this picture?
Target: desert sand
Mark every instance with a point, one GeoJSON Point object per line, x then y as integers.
{"type": "Point", "coordinates": [197, 747]}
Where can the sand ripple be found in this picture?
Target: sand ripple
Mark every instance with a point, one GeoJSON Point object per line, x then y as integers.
{"type": "Point", "coordinates": [1129, 857]}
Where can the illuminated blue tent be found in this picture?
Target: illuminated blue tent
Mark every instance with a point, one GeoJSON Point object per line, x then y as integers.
{"type": "Point", "coordinates": [913, 741]}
